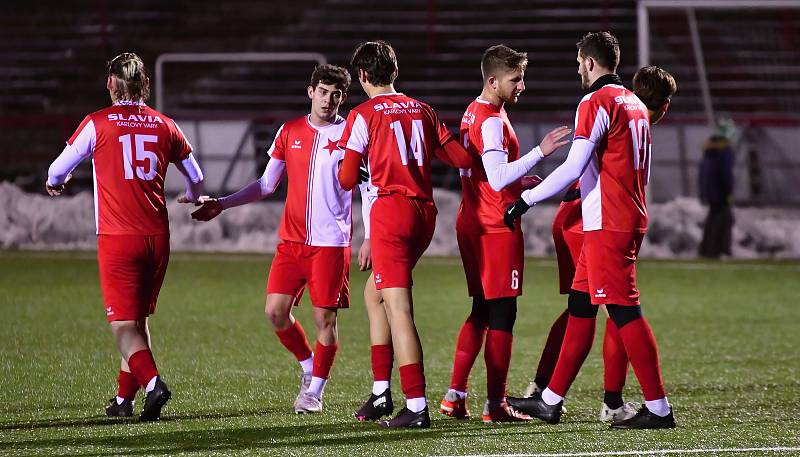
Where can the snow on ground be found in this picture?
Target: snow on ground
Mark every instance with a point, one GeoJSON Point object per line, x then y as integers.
{"type": "Point", "coordinates": [32, 221]}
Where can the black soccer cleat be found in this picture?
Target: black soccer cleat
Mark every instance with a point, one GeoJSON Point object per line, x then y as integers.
{"type": "Point", "coordinates": [124, 409]}
{"type": "Point", "coordinates": [409, 419]}
{"type": "Point", "coordinates": [646, 419]}
{"type": "Point", "coordinates": [376, 407]}
{"type": "Point", "coordinates": [534, 406]}
{"type": "Point", "coordinates": [155, 400]}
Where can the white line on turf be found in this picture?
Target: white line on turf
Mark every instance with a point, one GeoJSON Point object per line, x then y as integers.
{"type": "Point", "coordinates": [653, 452]}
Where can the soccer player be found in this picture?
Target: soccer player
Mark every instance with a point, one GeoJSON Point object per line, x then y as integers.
{"type": "Point", "coordinates": [654, 87]}
{"type": "Point", "coordinates": [397, 135]}
{"type": "Point", "coordinates": [131, 146]}
{"type": "Point", "coordinates": [611, 156]}
{"type": "Point", "coordinates": [315, 232]}
{"type": "Point", "coordinates": [493, 257]}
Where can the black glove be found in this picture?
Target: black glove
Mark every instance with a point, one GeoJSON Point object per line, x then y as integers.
{"type": "Point", "coordinates": [514, 212]}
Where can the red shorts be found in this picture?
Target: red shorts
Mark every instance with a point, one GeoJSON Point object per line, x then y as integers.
{"type": "Point", "coordinates": [568, 240]}
{"type": "Point", "coordinates": [606, 268]}
{"type": "Point", "coordinates": [326, 271]}
{"type": "Point", "coordinates": [493, 263]}
{"type": "Point", "coordinates": [132, 269]}
{"type": "Point", "coordinates": [401, 228]}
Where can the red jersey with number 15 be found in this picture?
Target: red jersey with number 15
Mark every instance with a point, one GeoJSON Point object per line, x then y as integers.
{"type": "Point", "coordinates": [612, 185]}
{"type": "Point", "coordinates": [397, 135]}
{"type": "Point", "coordinates": [131, 146]}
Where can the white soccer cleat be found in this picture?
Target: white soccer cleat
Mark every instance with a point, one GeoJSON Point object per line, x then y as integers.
{"type": "Point", "coordinates": [308, 403]}
{"type": "Point", "coordinates": [622, 413]}
{"type": "Point", "coordinates": [305, 381]}
{"type": "Point", "coordinates": [531, 389]}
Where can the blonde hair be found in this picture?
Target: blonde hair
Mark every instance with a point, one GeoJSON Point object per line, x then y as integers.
{"type": "Point", "coordinates": [130, 77]}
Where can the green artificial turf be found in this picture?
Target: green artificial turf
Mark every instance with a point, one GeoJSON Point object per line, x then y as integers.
{"type": "Point", "coordinates": [728, 332]}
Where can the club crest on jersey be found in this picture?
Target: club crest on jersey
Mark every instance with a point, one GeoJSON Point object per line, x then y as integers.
{"type": "Point", "coordinates": [296, 145]}
{"type": "Point", "coordinates": [134, 118]}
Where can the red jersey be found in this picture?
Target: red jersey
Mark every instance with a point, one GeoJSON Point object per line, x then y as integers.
{"type": "Point", "coordinates": [485, 128]}
{"type": "Point", "coordinates": [612, 185]}
{"type": "Point", "coordinates": [131, 146]}
{"type": "Point", "coordinates": [397, 135]}
{"type": "Point", "coordinates": [318, 211]}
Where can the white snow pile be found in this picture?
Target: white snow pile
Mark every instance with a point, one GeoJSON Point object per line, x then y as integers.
{"type": "Point", "coordinates": [32, 221]}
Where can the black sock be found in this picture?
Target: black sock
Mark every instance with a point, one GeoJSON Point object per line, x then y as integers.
{"type": "Point", "coordinates": [613, 399]}
{"type": "Point", "coordinates": [541, 382]}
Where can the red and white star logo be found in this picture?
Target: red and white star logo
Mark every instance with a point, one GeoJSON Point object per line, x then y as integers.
{"type": "Point", "coordinates": [332, 146]}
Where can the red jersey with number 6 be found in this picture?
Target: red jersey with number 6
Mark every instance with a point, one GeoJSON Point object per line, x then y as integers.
{"type": "Point", "coordinates": [131, 146]}
{"type": "Point", "coordinates": [397, 135]}
{"type": "Point", "coordinates": [613, 184]}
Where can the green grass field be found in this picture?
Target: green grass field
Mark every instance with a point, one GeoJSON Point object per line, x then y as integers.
{"type": "Point", "coordinates": [729, 335]}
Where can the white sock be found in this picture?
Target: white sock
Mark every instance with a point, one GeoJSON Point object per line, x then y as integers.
{"type": "Point", "coordinates": [658, 407]}
{"type": "Point", "coordinates": [307, 364]}
{"type": "Point", "coordinates": [151, 385]}
{"type": "Point", "coordinates": [461, 395]}
{"type": "Point", "coordinates": [550, 397]}
{"type": "Point", "coordinates": [416, 405]}
{"type": "Point", "coordinates": [379, 387]}
{"type": "Point", "coordinates": [317, 386]}
{"type": "Point", "coordinates": [120, 400]}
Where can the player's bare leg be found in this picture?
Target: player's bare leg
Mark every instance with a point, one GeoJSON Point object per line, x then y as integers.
{"type": "Point", "coordinates": [379, 403]}
{"type": "Point", "coordinates": [324, 353]}
{"type": "Point", "coordinates": [399, 308]}
{"type": "Point", "coordinates": [133, 341]}
{"type": "Point", "coordinates": [291, 334]}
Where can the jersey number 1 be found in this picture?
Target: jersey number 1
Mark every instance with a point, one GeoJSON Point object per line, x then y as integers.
{"type": "Point", "coordinates": [142, 154]}
{"type": "Point", "coordinates": [417, 141]}
{"type": "Point", "coordinates": [641, 143]}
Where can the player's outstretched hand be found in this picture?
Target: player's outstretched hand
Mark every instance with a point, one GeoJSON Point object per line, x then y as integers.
{"type": "Point", "coordinates": [55, 191]}
{"type": "Point", "coordinates": [554, 140]}
{"type": "Point", "coordinates": [514, 212]}
{"type": "Point", "coordinates": [529, 182]}
{"type": "Point", "coordinates": [365, 256]}
{"type": "Point", "coordinates": [209, 209]}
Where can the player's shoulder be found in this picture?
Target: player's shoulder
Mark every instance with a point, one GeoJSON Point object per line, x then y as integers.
{"type": "Point", "coordinates": [300, 122]}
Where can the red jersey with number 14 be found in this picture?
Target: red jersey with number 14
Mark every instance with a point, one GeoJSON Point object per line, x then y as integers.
{"type": "Point", "coordinates": [397, 135]}
{"type": "Point", "coordinates": [131, 146]}
{"type": "Point", "coordinates": [612, 185]}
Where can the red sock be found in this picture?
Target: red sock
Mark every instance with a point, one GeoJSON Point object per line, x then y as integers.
{"type": "Point", "coordinates": [412, 380]}
{"type": "Point", "coordinates": [294, 339]}
{"type": "Point", "coordinates": [615, 359]}
{"type": "Point", "coordinates": [142, 366]}
{"type": "Point", "coordinates": [640, 345]}
{"type": "Point", "coordinates": [577, 344]}
{"type": "Point", "coordinates": [323, 359]}
{"type": "Point", "coordinates": [497, 356]}
{"type": "Point", "coordinates": [128, 385]}
{"type": "Point", "coordinates": [549, 357]}
{"type": "Point", "coordinates": [470, 341]}
{"type": "Point", "coordinates": [382, 355]}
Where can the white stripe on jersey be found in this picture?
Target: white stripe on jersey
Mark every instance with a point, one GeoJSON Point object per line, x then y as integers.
{"type": "Point", "coordinates": [591, 195]}
{"type": "Point", "coordinates": [310, 193]}
{"type": "Point", "coordinates": [96, 212]}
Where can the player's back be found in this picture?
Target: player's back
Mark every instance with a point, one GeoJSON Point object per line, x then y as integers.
{"type": "Point", "coordinates": [613, 185]}
{"type": "Point", "coordinates": [482, 207]}
{"type": "Point", "coordinates": [398, 135]}
{"type": "Point", "coordinates": [133, 145]}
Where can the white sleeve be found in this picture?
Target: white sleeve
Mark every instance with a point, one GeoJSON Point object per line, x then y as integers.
{"type": "Point", "coordinates": [258, 189]}
{"type": "Point", "coordinates": [192, 175]}
{"type": "Point", "coordinates": [72, 155]}
{"type": "Point", "coordinates": [368, 196]}
{"type": "Point", "coordinates": [359, 135]}
{"type": "Point", "coordinates": [579, 155]}
{"type": "Point", "coordinates": [500, 172]}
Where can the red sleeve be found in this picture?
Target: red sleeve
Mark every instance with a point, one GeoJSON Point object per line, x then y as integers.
{"type": "Point", "coordinates": [591, 120]}
{"type": "Point", "coordinates": [181, 148]}
{"type": "Point", "coordinates": [348, 170]}
{"type": "Point", "coordinates": [442, 132]}
{"type": "Point", "coordinates": [278, 148]}
{"type": "Point", "coordinates": [454, 155]}
{"type": "Point", "coordinates": [74, 136]}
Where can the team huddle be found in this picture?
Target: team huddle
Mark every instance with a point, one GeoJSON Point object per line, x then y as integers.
{"type": "Point", "coordinates": [385, 147]}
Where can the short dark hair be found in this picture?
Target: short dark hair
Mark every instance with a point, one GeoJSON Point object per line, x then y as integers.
{"type": "Point", "coordinates": [603, 47]}
{"type": "Point", "coordinates": [654, 86]}
{"type": "Point", "coordinates": [501, 58]}
{"type": "Point", "coordinates": [378, 60]}
{"type": "Point", "coordinates": [331, 74]}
